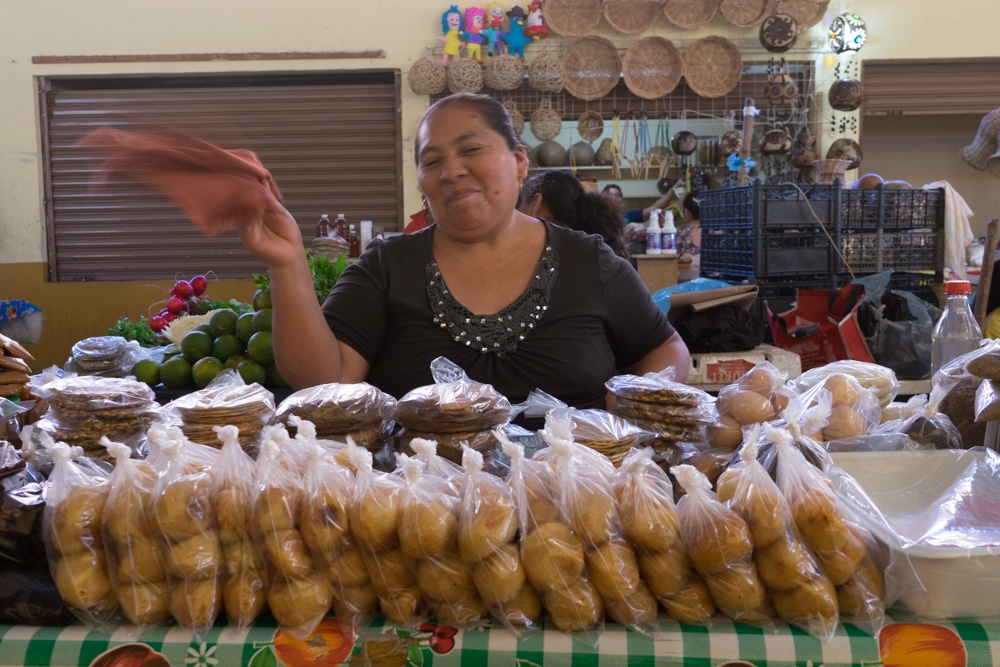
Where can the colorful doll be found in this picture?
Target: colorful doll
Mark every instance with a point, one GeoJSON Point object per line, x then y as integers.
{"type": "Point", "coordinates": [516, 38]}
{"type": "Point", "coordinates": [494, 31]}
{"type": "Point", "coordinates": [535, 25]}
{"type": "Point", "coordinates": [475, 21]}
{"type": "Point", "coordinates": [451, 26]}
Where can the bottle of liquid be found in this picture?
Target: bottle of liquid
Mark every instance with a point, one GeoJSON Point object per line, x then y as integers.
{"type": "Point", "coordinates": [324, 227]}
{"type": "Point", "coordinates": [353, 241]}
{"type": "Point", "coordinates": [366, 234]}
{"type": "Point", "coordinates": [340, 227]}
{"type": "Point", "coordinates": [668, 235]}
{"type": "Point", "coordinates": [654, 233]}
{"type": "Point", "coordinates": [957, 332]}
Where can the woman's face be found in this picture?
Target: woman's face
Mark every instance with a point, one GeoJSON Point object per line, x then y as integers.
{"type": "Point", "coordinates": [467, 172]}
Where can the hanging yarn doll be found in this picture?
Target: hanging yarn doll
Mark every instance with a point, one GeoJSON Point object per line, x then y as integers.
{"type": "Point", "coordinates": [534, 27]}
{"type": "Point", "coordinates": [475, 21]}
{"type": "Point", "coordinates": [516, 39]}
{"type": "Point", "coordinates": [494, 32]}
{"type": "Point", "coordinates": [451, 26]}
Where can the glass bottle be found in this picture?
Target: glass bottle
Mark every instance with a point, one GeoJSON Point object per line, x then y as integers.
{"type": "Point", "coordinates": [324, 227]}
{"type": "Point", "coordinates": [957, 331]}
{"type": "Point", "coordinates": [353, 242]}
{"type": "Point", "coordinates": [340, 227]}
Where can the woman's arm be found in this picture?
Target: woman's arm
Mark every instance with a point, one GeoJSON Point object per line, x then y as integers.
{"type": "Point", "coordinates": [305, 350]}
{"type": "Point", "coordinates": [671, 352]}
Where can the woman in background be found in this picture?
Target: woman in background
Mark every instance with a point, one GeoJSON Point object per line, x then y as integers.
{"type": "Point", "coordinates": [560, 198]}
{"type": "Point", "coordinates": [689, 238]}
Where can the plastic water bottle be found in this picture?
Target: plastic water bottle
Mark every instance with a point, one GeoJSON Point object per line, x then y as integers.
{"type": "Point", "coordinates": [668, 236]}
{"type": "Point", "coordinates": [654, 234]}
{"type": "Point", "coordinates": [957, 331]}
{"type": "Point", "coordinates": [324, 227]}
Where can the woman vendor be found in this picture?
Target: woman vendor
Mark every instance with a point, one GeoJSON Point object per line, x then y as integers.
{"type": "Point", "coordinates": [517, 302]}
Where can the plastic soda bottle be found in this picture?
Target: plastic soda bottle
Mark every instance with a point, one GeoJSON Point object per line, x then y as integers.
{"type": "Point", "coordinates": [957, 332]}
{"type": "Point", "coordinates": [324, 227]}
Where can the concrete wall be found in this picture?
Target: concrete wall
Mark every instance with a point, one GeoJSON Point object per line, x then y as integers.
{"type": "Point", "coordinates": [402, 30]}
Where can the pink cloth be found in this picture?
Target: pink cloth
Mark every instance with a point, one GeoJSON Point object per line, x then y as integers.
{"type": "Point", "coordinates": [216, 188]}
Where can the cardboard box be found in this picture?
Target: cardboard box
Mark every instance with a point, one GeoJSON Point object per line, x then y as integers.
{"type": "Point", "coordinates": [714, 370]}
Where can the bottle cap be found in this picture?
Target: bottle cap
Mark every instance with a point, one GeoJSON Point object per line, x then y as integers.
{"type": "Point", "coordinates": [957, 287]}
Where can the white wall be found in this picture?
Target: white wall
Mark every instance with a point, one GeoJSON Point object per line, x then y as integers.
{"type": "Point", "coordinates": [916, 29]}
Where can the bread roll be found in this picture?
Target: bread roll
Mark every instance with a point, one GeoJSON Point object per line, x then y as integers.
{"type": "Point", "coordinates": [637, 609]}
{"type": "Point", "coordinates": [402, 607]}
{"type": "Point", "coordinates": [287, 553]}
{"type": "Point", "coordinates": [692, 604]}
{"type": "Point", "coordinates": [737, 590]}
{"type": "Point", "coordinates": [389, 571]}
{"type": "Point", "coordinates": [814, 602]}
{"type": "Point", "coordinates": [77, 521]}
{"type": "Point", "coordinates": [666, 572]}
{"type": "Point", "coordinates": [445, 578]}
{"type": "Point", "coordinates": [232, 514]}
{"type": "Point", "coordinates": [198, 557]}
{"type": "Point", "coordinates": [493, 525]}
{"type": "Point", "coordinates": [295, 601]}
{"type": "Point", "coordinates": [612, 569]}
{"type": "Point", "coordinates": [522, 610]}
{"type": "Point", "coordinates": [140, 561]}
{"type": "Point", "coordinates": [428, 529]}
{"type": "Point", "coordinates": [196, 603]}
{"type": "Point", "coordinates": [374, 518]}
{"type": "Point", "coordinates": [575, 608]}
{"type": "Point", "coordinates": [594, 514]}
{"type": "Point", "coordinates": [500, 577]}
{"type": "Point", "coordinates": [347, 569]}
{"type": "Point", "coordinates": [355, 601]}
{"type": "Point", "coordinates": [552, 556]}
{"type": "Point", "coordinates": [244, 596]}
{"type": "Point", "coordinates": [785, 565]}
{"type": "Point", "coordinates": [183, 509]}
{"type": "Point", "coordinates": [82, 580]}
{"type": "Point", "coordinates": [716, 546]}
{"type": "Point", "coordinates": [323, 523]}
{"type": "Point", "coordinates": [145, 603]}
{"type": "Point", "coordinates": [277, 508]}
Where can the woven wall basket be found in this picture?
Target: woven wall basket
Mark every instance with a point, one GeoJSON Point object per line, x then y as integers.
{"type": "Point", "coordinates": [743, 13]}
{"type": "Point", "coordinates": [713, 66]}
{"type": "Point", "coordinates": [593, 67]}
{"type": "Point", "coordinates": [652, 67]}
{"type": "Point", "coordinates": [806, 13]}
{"type": "Point", "coordinates": [590, 125]}
{"type": "Point", "coordinates": [546, 73]}
{"type": "Point", "coordinates": [516, 119]}
{"type": "Point", "coordinates": [572, 18]}
{"type": "Point", "coordinates": [632, 17]}
{"type": "Point", "coordinates": [465, 75]}
{"type": "Point", "coordinates": [545, 124]}
{"type": "Point", "coordinates": [690, 14]}
{"type": "Point", "coordinates": [504, 72]}
{"type": "Point", "coordinates": [427, 76]}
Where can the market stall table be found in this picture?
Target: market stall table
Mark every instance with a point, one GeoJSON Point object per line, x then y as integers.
{"type": "Point", "coordinates": [673, 644]}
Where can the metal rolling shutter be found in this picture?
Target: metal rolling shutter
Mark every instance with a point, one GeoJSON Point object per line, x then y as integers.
{"type": "Point", "coordinates": [929, 88]}
{"type": "Point", "coordinates": [331, 141]}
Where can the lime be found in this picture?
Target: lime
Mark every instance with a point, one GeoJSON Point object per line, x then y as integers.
{"type": "Point", "coordinates": [205, 370]}
{"type": "Point", "coordinates": [148, 371]}
{"type": "Point", "coordinates": [262, 298]}
{"type": "Point", "coordinates": [260, 349]}
{"type": "Point", "coordinates": [274, 378]}
{"type": "Point", "coordinates": [175, 373]}
{"type": "Point", "coordinates": [234, 361]}
{"type": "Point", "coordinates": [262, 320]}
{"type": "Point", "coordinates": [202, 327]}
{"type": "Point", "coordinates": [226, 346]}
{"type": "Point", "coordinates": [244, 326]}
{"type": "Point", "coordinates": [252, 372]}
{"type": "Point", "coordinates": [196, 345]}
{"type": "Point", "coordinates": [223, 322]}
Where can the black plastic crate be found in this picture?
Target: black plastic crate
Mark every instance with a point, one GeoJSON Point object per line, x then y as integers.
{"type": "Point", "coordinates": [919, 249]}
{"type": "Point", "coordinates": [767, 231]}
{"type": "Point", "coordinates": [892, 210]}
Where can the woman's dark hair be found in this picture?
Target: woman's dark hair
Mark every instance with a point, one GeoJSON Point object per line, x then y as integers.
{"type": "Point", "coordinates": [572, 206]}
{"type": "Point", "coordinates": [612, 186]}
{"type": "Point", "coordinates": [493, 111]}
{"type": "Point", "coordinates": [692, 202]}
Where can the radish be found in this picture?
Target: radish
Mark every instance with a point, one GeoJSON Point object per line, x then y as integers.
{"type": "Point", "coordinates": [199, 284]}
{"type": "Point", "coordinates": [158, 324]}
{"type": "Point", "coordinates": [169, 317]}
{"type": "Point", "coordinates": [183, 289]}
{"type": "Point", "coordinates": [177, 305]}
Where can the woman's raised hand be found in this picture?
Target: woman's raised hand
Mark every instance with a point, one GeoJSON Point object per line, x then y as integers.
{"type": "Point", "coordinates": [275, 237]}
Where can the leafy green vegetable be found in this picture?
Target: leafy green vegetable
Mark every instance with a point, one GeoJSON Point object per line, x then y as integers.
{"type": "Point", "coordinates": [202, 306]}
{"type": "Point", "coordinates": [325, 273]}
{"type": "Point", "coordinates": [137, 331]}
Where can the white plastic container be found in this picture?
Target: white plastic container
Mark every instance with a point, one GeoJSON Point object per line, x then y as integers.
{"type": "Point", "coordinates": [906, 487]}
{"type": "Point", "coordinates": [654, 234]}
{"type": "Point", "coordinates": [668, 235]}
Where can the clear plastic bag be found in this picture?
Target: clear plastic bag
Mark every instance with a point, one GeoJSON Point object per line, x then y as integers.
{"type": "Point", "coordinates": [874, 377]}
{"type": "Point", "coordinates": [853, 409]}
{"type": "Point", "coordinates": [758, 396]}
{"type": "Point", "coordinates": [650, 523]}
{"type": "Point", "coordinates": [923, 426]}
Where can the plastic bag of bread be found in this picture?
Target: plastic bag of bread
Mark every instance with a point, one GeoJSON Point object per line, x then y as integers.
{"type": "Point", "coordinates": [676, 412]}
{"type": "Point", "coordinates": [72, 527]}
{"type": "Point", "coordinates": [922, 423]}
{"type": "Point", "coordinates": [487, 543]}
{"type": "Point", "coordinates": [959, 399]}
{"type": "Point", "coordinates": [244, 589]}
{"type": "Point", "coordinates": [586, 480]}
{"type": "Point", "coordinates": [551, 552]}
{"type": "Point", "coordinates": [373, 516]}
{"type": "Point", "coordinates": [428, 536]}
{"type": "Point", "coordinates": [132, 546]}
{"type": "Point", "coordinates": [801, 593]}
{"type": "Point", "coordinates": [854, 410]}
{"type": "Point", "coordinates": [649, 519]}
{"type": "Point", "coordinates": [840, 545]}
{"type": "Point", "coordinates": [758, 396]}
{"type": "Point", "coordinates": [181, 513]}
{"type": "Point", "coordinates": [720, 545]}
{"type": "Point", "coordinates": [300, 594]}
{"type": "Point", "coordinates": [454, 403]}
{"type": "Point", "coordinates": [876, 378]}
{"type": "Point", "coordinates": [325, 527]}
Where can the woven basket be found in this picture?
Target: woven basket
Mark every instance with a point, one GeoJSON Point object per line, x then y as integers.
{"type": "Point", "coordinates": [504, 72]}
{"type": "Point", "coordinates": [652, 67]}
{"type": "Point", "coordinates": [827, 170]}
{"type": "Point", "coordinates": [690, 14]}
{"type": "Point", "coordinates": [743, 13]}
{"type": "Point", "coordinates": [545, 73]}
{"type": "Point", "coordinates": [517, 120]}
{"type": "Point", "coordinates": [465, 75]}
{"type": "Point", "coordinates": [593, 67]}
{"type": "Point", "coordinates": [590, 125]}
{"type": "Point", "coordinates": [632, 17]}
{"type": "Point", "coordinates": [806, 13]}
{"type": "Point", "coordinates": [713, 66]}
{"type": "Point", "coordinates": [572, 18]}
{"type": "Point", "coordinates": [427, 76]}
{"type": "Point", "coordinates": [545, 124]}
